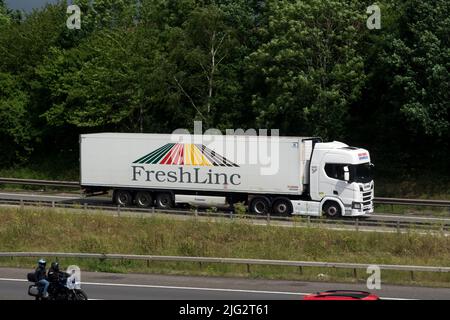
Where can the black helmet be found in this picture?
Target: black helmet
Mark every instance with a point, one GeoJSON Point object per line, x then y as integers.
{"type": "Point", "coordinates": [55, 266]}
{"type": "Point", "coordinates": [42, 263]}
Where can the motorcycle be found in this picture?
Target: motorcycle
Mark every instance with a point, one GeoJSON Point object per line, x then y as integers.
{"type": "Point", "coordinates": [66, 288]}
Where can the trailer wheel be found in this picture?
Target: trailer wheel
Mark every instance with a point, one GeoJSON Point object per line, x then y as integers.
{"type": "Point", "coordinates": [332, 209]}
{"type": "Point", "coordinates": [144, 199]}
{"type": "Point", "coordinates": [282, 206]}
{"type": "Point", "coordinates": [123, 198]}
{"type": "Point", "coordinates": [260, 205]}
{"type": "Point", "coordinates": [164, 200]}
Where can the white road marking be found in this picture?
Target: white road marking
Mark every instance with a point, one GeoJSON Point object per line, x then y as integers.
{"type": "Point", "coordinates": [191, 288]}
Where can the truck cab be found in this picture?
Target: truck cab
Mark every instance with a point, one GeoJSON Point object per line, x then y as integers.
{"type": "Point", "coordinates": [341, 179]}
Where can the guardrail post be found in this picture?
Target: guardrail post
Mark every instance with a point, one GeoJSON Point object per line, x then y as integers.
{"type": "Point", "coordinates": [85, 206]}
{"type": "Point", "coordinates": [196, 212]}
{"type": "Point", "coordinates": [248, 262]}
{"type": "Point", "coordinates": [153, 210]}
{"type": "Point", "coordinates": [268, 218]}
{"type": "Point", "coordinates": [21, 204]}
{"type": "Point", "coordinates": [308, 220]}
{"type": "Point", "coordinates": [118, 210]}
{"type": "Point", "coordinates": [357, 224]}
{"type": "Point", "coordinates": [398, 226]}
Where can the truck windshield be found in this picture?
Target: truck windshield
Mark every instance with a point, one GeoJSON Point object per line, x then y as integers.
{"type": "Point", "coordinates": [362, 172]}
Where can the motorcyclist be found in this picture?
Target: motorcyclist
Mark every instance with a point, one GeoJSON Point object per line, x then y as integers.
{"type": "Point", "coordinates": [54, 276]}
{"type": "Point", "coordinates": [53, 273]}
{"type": "Point", "coordinates": [40, 274]}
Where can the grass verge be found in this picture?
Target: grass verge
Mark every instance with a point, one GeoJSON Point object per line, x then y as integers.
{"type": "Point", "coordinates": [411, 210]}
{"type": "Point", "coordinates": [49, 167]}
{"type": "Point", "coordinates": [59, 231]}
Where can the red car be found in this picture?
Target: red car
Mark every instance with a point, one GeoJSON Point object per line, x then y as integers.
{"type": "Point", "coordinates": [342, 295]}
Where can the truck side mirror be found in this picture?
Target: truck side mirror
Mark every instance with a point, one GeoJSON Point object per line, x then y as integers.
{"type": "Point", "coordinates": [346, 174]}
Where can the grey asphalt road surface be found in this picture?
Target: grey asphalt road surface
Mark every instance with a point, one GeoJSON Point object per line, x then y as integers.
{"type": "Point", "coordinates": [105, 200]}
{"type": "Point", "coordinates": [374, 223]}
{"type": "Point", "coordinates": [111, 286]}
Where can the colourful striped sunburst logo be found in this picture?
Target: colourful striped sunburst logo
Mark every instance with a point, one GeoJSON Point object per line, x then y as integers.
{"type": "Point", "coordinates": [185, 154]}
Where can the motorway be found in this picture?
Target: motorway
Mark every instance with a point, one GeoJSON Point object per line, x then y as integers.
{"type": "Point", "coordinates": [374, 223]}
{"type": "Point", "coordinates": [13, 284]}
{"type": "Point", "coordinates": [77, 198]}
{"type": "Point", "coordinates": [113, 286]}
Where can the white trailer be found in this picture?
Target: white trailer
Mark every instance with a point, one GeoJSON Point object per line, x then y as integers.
{"type": "Point", "coordinates": [282, 175]}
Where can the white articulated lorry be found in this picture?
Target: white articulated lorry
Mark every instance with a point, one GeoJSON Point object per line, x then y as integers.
{"type": "Point", "coordinates": [278, 175]}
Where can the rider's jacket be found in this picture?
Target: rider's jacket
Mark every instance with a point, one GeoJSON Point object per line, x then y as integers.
{"type": "Point", "coordinates": [40, 273]}
{"type": "Point", "coordinates": [53, 275]}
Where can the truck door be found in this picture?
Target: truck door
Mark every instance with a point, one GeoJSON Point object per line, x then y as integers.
{"type": "Point", "coordinates": [332, 182]}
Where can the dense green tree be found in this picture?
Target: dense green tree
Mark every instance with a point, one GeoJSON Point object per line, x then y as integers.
{"type": "Point", "coordinates": [416, 60]}
{"type": "Point", "coordinates": [404, 114]}
{"type": "Point", "coordinates": [110, 81]}
{"type": "Point", "coordinates": [201, 47]}
{"type": "Point", "coordinates": [15, 133]}
{"type": "Point", "coordinates": [309, 68]}
{"type": "Point", "coordinates": [4, 16]}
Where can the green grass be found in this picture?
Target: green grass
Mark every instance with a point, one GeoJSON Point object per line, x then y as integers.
{"type": "Point", "coordinates": [420, 187]}
{"type": "Point", "coordinates": [438, 212]}
{"type": "Point", "coordinates": [52, 167]}
{"type": "Point", "coordinates": [59, 231]}
{"type": "Point", "coordinates": [55, 167]}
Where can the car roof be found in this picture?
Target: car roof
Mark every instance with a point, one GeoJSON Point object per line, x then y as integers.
{"type": "Point", "coordinates": [347, 293]}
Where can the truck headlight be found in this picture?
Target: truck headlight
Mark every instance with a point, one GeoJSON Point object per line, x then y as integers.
{"type": "Point", "coordinates": [356, 205]}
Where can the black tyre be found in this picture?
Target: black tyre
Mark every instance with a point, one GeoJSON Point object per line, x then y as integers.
{"type": "Point", "coordinates": [332, 209]}
{"type": "Point", "coordinates": [71, 296]}
{"type": "Point", "coordinates": [164, 201]}
{"type": "Point", "coordinates": [81, 295]}
{"type": "Point", "coordinates": [282, 206]}
{"type": "Point", "coordinates": [123, 198]}
{"type": "Point", "coordinates": [144, 199]}
{"type": "Point", "coordinates": [260, 205]}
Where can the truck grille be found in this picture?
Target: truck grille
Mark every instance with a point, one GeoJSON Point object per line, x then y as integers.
{"type": "Point", "coordinates": [367, 196]}
{"type": "Point", "coordinates": [367, 199]}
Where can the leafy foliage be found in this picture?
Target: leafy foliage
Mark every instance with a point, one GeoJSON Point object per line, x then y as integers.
{"type": "Point", "coordinates": [310, 66]}
{"type": "Point", "coordinates": [307, 67]}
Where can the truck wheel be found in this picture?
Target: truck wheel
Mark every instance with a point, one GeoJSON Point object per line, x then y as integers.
{"type": "Point", "coordinates": [332, 209]}
{"type": "Point", "coordinates": [282, 206]}
{"type": "Point", "coordinates": [144, 199]}
{"type": "Point", "coordinates": [260, 206]}
{"type": "Point", "coordinates": [123, 198]}
{"type": "Point", "coordinates": [164, 201]}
